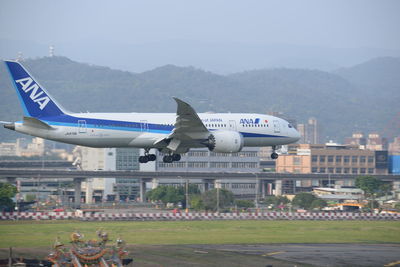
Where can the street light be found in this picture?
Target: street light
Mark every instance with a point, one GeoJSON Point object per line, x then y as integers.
{"type": "Point", "coordinates": [217, 185]}
{"type": "Point", "coordinates": [187, 195]}
{"type": "Point", "coordinates": [257, 189]}
{"type": "Point", "coordinates": [329, 179]}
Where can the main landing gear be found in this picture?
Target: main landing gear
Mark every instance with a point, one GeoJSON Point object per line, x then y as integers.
{"type": "Point", "coordinates": [147, 157]}
{"type": "Point", "coordinates": [274, 155]}
{"type": "Point", "coordinates": [171, 158]}
{"type": "Point", "coordinates": [152, 157]}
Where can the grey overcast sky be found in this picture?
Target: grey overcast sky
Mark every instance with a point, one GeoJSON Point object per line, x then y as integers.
{"type": "Point", "coordinates": [339, 23]}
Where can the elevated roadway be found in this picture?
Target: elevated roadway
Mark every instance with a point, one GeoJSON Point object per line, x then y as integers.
{"type": "Point", "coordinates": [31, 164]}
{"type": "Point", "coordinates": [56, 173]}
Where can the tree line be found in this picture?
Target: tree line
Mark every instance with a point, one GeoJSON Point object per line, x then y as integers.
{"type": "Point", "coordinates": [222, 199]}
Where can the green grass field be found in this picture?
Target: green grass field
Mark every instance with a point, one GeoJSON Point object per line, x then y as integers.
{"type": "Point", "coordinates": [30, 234]}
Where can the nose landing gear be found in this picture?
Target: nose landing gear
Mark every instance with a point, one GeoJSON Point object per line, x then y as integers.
{"type": "Point", "coordinates": [274, 155]}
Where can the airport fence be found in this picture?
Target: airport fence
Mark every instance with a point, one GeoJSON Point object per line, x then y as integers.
{"type": "Point", "coordinates": [39, 215]}
{"type": "Point", "coordinates": [192, 216]}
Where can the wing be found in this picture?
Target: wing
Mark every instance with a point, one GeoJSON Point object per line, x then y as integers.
{"type": "Point", "coordinates": [189, 130]}
{"type": "Point", "coordinates": [188, 124]}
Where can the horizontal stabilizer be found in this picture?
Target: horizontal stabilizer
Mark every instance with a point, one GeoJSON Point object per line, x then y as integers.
{"type": "Point", "coordinates": [5, 122]}
{"type": "Point", "coordinates": [36, 123]}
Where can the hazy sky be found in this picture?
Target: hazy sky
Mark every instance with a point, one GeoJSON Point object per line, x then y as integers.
{"type": "Point", "coordinates": [339, 23]}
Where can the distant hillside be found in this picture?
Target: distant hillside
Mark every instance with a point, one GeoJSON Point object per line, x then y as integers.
{"type": "Point", "coordinates": [375, 73]}
{"type": "Point", "coordinates": [340, 100]}
{"type": "Point", "coordinates": [378, 78]}
{"type": "Point", "coordinates": [377, 81]}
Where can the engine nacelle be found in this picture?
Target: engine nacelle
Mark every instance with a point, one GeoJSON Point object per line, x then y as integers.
{"type": "Point", "coordinates": [225, 141]}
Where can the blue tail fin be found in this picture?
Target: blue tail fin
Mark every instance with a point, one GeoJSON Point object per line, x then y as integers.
{"type": "Point", "coordinates": [35, 101]}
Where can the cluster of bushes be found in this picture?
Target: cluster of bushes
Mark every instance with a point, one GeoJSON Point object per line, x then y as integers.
{"type": "Point", "coordinates": [209, 200]}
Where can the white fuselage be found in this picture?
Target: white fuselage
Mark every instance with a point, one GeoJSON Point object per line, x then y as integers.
{"type": "Point", "coordinates": [142, 130]}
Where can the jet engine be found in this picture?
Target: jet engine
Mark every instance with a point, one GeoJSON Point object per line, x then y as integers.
{"type": "Point", "coordinates": [225, 141]}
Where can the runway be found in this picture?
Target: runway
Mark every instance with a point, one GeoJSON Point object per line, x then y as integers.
{"type": "Point", "coordinates": [320, 254]}
{"type": "Point", "coordinates": [259, 255]}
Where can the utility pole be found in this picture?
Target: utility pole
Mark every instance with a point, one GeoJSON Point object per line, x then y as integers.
{"type": "Point", "coordinates": [217, 185]}
{"type": "Point", "coordinates": [187, 195]}
{"type": "Point", "coordinates": [218, 199]}
{"type": "Point", "coordinates": [329, 179]}
{"type": "Point", "coordinates": [257, 189]}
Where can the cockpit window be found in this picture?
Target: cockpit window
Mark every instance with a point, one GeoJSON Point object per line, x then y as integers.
{"type": "Point", "coordinates": [290, 126]}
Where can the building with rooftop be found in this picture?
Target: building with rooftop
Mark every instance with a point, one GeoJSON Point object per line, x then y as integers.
{"type": "Point", "coordinates": [394, 147]}
{"type": "Point", "coordinates": [376, 142]}
{"type": "Point", "coordinates": [203, 160]}
{"type": "Point", "coordinates": [357, 139]}
{"type": "Point", "coordinates": [332, 158]}
{"type": "Point", "coordinates": [310, 132]}
{"type": "Point", "coordinates": [339, 194]}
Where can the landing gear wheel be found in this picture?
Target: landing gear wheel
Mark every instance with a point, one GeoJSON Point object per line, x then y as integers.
{"type": "Point", "coordinates": [152, 157]}
{"type": "Point", "coordinates": [176, 157]}
{"type": "Point", "coordinates": [143, 159]}
{"type": "Point", "coordinates": [274, 155]}
{"type": "Point", "coordinates": [167, 159]}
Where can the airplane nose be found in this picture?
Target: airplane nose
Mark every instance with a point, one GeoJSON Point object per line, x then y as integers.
{"type": "Point", "coordinates": [296, 135]}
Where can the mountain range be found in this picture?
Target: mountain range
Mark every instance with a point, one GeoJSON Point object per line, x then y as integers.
{"type": "Point", "coordinates": [364, 97]}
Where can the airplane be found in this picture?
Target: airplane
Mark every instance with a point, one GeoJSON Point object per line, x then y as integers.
{"type": "Point", "coordinates": [171, 134]}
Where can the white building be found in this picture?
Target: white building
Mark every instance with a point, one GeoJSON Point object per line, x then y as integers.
{"type": "Point", "coordinates": [97, 159]}
{"type": "Point", "coordinates": [34, 148]}
{"type": "Point", "coordinates": [8, 149]}
{"type": "Point", "coordinates": [108, 159]}
{"type": "Point", "coordinates": [23, 148]}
